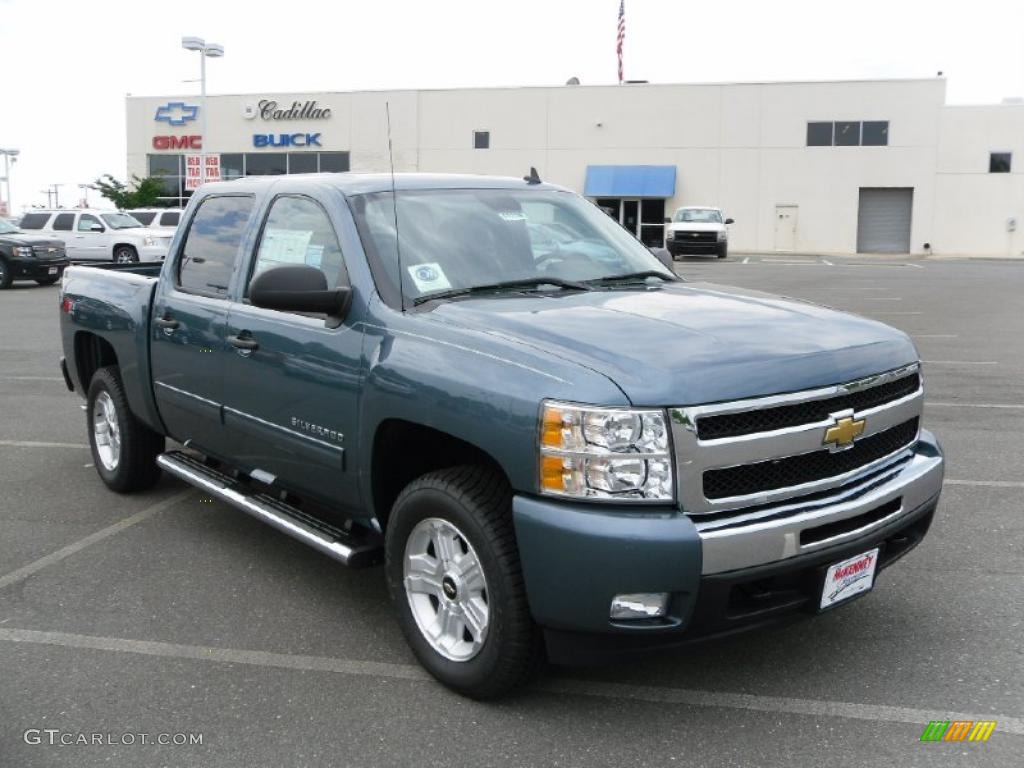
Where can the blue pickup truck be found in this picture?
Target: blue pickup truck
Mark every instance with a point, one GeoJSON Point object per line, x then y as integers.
{"type": "Point", "coordinates": [558, 448]}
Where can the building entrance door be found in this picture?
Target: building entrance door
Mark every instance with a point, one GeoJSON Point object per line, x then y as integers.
{"type": "Point", "coordinates": [644, 218]}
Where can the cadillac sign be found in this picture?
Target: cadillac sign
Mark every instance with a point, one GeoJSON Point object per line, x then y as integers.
{"type": "Point", "coordinates": [267, 109]}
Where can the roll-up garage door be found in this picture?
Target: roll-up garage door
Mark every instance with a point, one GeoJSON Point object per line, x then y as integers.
{"type": "Point", "coordinates": [883, 221]}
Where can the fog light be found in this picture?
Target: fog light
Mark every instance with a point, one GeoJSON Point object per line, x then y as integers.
{"type": "Point", "coordinates": [642, 605]}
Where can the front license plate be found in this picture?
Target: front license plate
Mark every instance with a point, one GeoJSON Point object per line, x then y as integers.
{"type": "Point", "coordinates": [848, 578]}
{"type": "Point", "coordinates": [52, 270]}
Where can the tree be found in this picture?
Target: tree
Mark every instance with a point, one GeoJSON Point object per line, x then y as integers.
{"type": "Point", "coordinates": [143, 193]}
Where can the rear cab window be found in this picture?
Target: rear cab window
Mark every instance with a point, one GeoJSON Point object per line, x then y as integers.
{"type": "Point", "coordinates": [145, 217]}
{"type": "Point", "coordinates": [213, 245]}
{"type": "Point", "coordinates": [169, 219]}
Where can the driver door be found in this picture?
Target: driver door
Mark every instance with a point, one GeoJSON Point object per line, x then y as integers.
{"type": "Point", "coordinates": [90, 241]}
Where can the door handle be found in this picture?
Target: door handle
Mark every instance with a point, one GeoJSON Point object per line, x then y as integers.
{"type": "Point", "coordinates": [167, 322]}
{"type": "Point", "coordinates": [244, 343]}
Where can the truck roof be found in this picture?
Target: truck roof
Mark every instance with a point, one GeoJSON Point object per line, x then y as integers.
{"type": "Point", "coordinates": [365, 183]}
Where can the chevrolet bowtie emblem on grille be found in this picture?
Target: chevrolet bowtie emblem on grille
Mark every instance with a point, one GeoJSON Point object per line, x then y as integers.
{"type": "Point", "coordinates": [843, 432]}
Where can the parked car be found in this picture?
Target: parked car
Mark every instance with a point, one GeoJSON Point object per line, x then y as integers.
{"type": "Point", "coordinates": [96, 235]}
{"type": "Point", "coordinates": [695, 229]}
{"type": "Point", "coordinates": [165, 219]}
{"type": "Point", "coordinates": [25, 257]}
{"type": "Point", "coordinates": [575, 458]}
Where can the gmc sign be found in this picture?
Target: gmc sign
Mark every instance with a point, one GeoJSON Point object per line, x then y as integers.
{"type": "Point", "coordinates": [177, 142]}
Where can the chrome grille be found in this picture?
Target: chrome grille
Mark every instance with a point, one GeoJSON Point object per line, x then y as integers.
{"type": "Point", "coordinates": [780, 454]}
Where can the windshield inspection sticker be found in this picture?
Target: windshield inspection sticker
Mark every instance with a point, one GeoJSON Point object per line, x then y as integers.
{"type": "Point", "coordinates": [429, 277]}
{"type": "Point", "coordinates": [512, 215]}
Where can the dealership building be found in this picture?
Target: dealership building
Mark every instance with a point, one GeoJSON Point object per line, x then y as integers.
{"type": "Point", "coordinates": [879, 166]}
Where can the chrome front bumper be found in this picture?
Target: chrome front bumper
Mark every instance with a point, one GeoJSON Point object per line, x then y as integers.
{"type": "Point", "coordinates": [771, 534]}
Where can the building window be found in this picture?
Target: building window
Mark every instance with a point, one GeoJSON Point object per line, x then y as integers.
{"type": "Point", "coordinates": [999, 162]}
{"type": "Point", "coordinates": [232, 166]}
{"type": "Point", "coordinates": [875, 133]}
{"type": "Point", "coordinates": [302, 162]}
{"type": "Point", "coordinates": [819, 134]}
{"type": "Point", "coordinates": [848, 133]}
{"type": "Point", "coordinates": [481, 139]}
{"type": "Point", "coordinates": [333, 162]}
{"type": "Point", "coordinates": [266, 164]}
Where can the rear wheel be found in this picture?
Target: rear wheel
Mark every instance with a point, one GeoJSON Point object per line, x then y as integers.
{"type": "Point", "coordinates": [47, 280]}
{"type": "Point", "coordinates": [124, 450]}
{"type": "Point", "coordinates": [125, 254]}
{"type": "Point", "coordinates": [455, 580]}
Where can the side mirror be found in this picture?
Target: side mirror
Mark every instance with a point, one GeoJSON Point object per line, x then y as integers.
{"type": "Point", "coordinates": [729, 221]}
{"type": "Point", "coordinates": [298, 288]}
{"type": "Point", "coordinates": [665, 258]}
{"type": "Point", "coordinates": [96, 228]}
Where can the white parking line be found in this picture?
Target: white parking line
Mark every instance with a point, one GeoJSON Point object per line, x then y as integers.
{"type": "Point", "coordinates": [34, 444]}
{"type": "Point", "coordinates": [104, 533]}
{"type": "Point", "coordinates": [826, 261]}
{"type": "Point", "coordinates": [987, 483]}
{"type": "Point", "coordinates": [31, 378]}
{"type": "Point", "coordinates": [1008, 724]}
{"type": "Point", "coordinates": [746, 260]}
{"type": "Point", "coordinates": [1009, 406]}
{"type": "Point", "coordinates": [960, 362]}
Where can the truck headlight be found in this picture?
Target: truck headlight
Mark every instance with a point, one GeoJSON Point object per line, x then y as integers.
{"type": "Point", "coordinates": [149, 240]}
{"type": "Point", "coordinates": [722, 235]}
{"type": "Point", "coordinates": [23, 251]}
{"type": "Point", "coordinates": [669, 234]}
{"type": "Point", "coordinates": [605, 453]}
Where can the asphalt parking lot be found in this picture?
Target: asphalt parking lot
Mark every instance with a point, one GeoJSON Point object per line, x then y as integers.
{"type": "Point", "coordinates": [163, 613]}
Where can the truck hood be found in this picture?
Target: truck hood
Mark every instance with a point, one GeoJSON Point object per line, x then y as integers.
{"type": "Point", "coordinates": [691, 343]}
{"type": "Point", "coordinates": [22, 239]}
{"type": "Point", "coordinates": [696, 226]}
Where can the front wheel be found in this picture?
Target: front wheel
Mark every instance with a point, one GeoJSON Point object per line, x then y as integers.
{"type": "Point", "coordinates": [454, 577]}
{"type": "Point", "coordinates": [723, 250]}
{"type": "Point", "coordinates": [47, 280]}
{"type": "Point", "coordinates": [6, 278]}
{"type": "Point", "coordinates": [125, 254]}
{"type": "Point", "coordinates": [124, 449]}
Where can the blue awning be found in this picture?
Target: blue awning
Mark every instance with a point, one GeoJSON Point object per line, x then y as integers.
{"type": "Point", "coordinates": [630, 181]}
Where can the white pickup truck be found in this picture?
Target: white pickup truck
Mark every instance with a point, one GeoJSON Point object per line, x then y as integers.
{"type": "Point", "coordinates": [695, 229]}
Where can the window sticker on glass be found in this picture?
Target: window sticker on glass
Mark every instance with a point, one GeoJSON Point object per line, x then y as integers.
{"type": "Point", "coordinates": [429, 277]}
{"type": "Point", "coordinates": [314, 255]}
{"type": "Point", "coordinates": [512, 215]}
{"type": "Point", "coordinates": [285, 246]}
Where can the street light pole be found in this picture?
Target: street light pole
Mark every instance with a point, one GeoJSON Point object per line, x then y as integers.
{"type": "Point", "coordinates": [212, 50]}
{"type": "Point", "coordinates": [10, 155]}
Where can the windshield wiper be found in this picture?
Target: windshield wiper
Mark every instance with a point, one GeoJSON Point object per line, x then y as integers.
{"type": "Point", "coordinates": [507, 285]}
{"type": "Point", "coordinates": [631, 277]}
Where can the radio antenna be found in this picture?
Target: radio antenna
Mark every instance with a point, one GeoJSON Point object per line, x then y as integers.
{"type": "Point", "coordinates": [394, 207]}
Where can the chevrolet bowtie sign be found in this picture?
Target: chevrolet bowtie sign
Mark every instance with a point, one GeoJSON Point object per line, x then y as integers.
{"type": "Point", "coordinates": [843, 432]}
{"type": "Point", "coordinates": [176, 113]}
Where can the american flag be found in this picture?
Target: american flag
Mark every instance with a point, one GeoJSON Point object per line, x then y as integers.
{"type": "Point", "coordinates": [622, 34]}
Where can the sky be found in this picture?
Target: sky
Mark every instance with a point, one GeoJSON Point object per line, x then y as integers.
{"type": "Point", "coordinates": [68, 64]}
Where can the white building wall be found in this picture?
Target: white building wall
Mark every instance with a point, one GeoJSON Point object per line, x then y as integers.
{"type": "Point", "coordinates": [739, 146]}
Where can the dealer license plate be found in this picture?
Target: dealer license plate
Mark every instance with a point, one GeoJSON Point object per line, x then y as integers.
{"type": "Point", "coordinates": [848, 578]}
{"type": "Point", "coordinates": [52, 270]}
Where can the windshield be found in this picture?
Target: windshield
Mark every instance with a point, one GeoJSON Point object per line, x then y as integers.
{"type": "Point", "coordinates": [699, 215]}
{"type": "Point", "coordinates": [6, 228]}
{"type": "Point", "coordinates": [120, 220]}
{"type": "Point", "coordinates": [462, 238]}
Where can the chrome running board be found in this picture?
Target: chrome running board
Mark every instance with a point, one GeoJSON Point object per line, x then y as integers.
{"type": "Point", "coordinates": [337, 543]}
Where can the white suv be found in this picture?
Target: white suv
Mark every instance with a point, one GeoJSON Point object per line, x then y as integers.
{"type": "Point", "coordinates": [92, 235]}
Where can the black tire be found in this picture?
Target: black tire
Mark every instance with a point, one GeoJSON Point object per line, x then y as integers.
{"type": "Point", "coordinates": [47, 280]}
{"type": "Point", "coordinates": [723, 251]}
{"type": "Point", "coordinates": [125, 254]}
{"type": "Point", "coordinates": [478, 502]}
{"type": "Point", "coordinates": [136, 468]}
{"type": "Point", "coordinates": [6, 278]}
